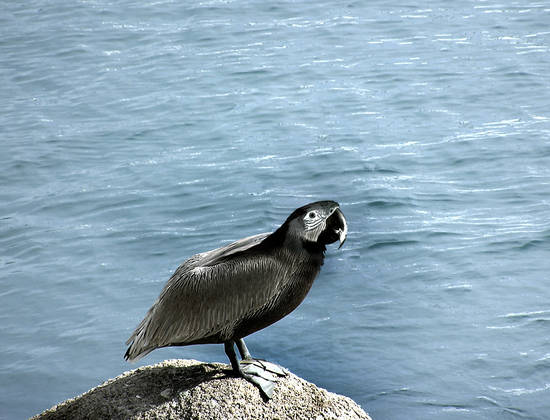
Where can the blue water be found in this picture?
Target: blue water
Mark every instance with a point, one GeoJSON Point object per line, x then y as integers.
{"type": "Point", "coordinates": [134, 135]}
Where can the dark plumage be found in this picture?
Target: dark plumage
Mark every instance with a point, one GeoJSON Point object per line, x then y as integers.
{"type": "Point", "coordinates": [223, 295]}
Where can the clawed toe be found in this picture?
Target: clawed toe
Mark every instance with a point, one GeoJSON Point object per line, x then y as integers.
{"type": "Point", "coordinates": [262, 373]}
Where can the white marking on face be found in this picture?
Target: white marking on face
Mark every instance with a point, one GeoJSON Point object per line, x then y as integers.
{"type": "Point", "coordinates": [314, 224]}
{"type": "Point", "coordinates": [312, 219]}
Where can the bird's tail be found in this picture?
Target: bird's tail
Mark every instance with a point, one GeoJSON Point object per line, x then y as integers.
{"type": "Point", "coordinates": [134, 353]}
{"type": "Point", "coordinates": [139, 346]}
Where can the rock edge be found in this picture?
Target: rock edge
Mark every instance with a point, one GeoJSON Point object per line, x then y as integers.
{"type": "Point", "coordinates": [188, 389]}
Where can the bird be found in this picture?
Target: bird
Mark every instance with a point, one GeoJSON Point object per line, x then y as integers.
{"type": "Point", "coordinates": [223, 295]}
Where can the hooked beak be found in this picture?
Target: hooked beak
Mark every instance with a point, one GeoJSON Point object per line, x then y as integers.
{"type": "Point", "coordinates": [342, 230]}
{"type": "Point", "coordinates": [333, 228]}
{"type": "Point", "coordinates": [337, 226]}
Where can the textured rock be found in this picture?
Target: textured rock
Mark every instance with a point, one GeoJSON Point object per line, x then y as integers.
{"type": "Point", "coordinates": [187, 389]}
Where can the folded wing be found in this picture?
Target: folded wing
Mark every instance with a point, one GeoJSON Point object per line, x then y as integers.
{"type": "Point", "coordinates": [209, 295]}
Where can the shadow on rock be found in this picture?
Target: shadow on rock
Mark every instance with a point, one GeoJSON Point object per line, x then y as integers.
{"type": "Point", "coordinates": [187, 389]}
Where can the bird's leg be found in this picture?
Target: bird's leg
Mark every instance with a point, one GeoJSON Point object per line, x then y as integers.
{"type": "Point", "coordinates": [247, 360]}
{"type": "Point", "coordinates": [245, 354]}
{"type": "Point", "coordinates": [259, 372]}
{"type": "Point", "coordinates": [230, 351]}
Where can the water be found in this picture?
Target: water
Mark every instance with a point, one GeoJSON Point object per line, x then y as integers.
{"type": "Point", "coordinates": [134, 135]}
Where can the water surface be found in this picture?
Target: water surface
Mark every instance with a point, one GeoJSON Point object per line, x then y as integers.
{"type": "Point", "coordinates": [135, 135]}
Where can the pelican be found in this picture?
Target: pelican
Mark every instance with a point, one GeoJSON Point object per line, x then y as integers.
{"type": "Point", "coordinates": [226, 294]}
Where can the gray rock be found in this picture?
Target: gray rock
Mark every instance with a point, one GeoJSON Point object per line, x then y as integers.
{"type": "Point", "coordinates": [187, 389]}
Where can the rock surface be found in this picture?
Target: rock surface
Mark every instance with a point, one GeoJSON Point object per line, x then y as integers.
{"type": "Point", "coordinates": [187, 389]}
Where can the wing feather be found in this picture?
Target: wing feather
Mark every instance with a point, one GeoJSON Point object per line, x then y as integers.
{"type": "Point", "coordinates": [208, 295]}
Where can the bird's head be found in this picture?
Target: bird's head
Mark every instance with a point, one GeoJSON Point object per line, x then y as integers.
{"type": "Point", "coordinates": [318, 223]}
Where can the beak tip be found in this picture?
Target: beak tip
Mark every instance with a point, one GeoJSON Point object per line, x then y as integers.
{"type": "Point", "coordinates": [343, 237]}
{"type": "Point", "coordinates": [343, 230]}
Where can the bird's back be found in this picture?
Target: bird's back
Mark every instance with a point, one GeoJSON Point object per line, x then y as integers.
{"type": "Point", "coordinates": [225, 293]}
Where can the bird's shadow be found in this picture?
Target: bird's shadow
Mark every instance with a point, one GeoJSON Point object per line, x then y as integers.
{"type": "Point", "coordinates": [142, 388]}
{"type": "Point", "coordinates": [157, 384]}
{"type": "Point", "coordinates": [161, 383]}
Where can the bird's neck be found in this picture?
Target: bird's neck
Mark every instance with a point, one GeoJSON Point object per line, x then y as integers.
{"type": "Point", "coordinates": [294, 246]}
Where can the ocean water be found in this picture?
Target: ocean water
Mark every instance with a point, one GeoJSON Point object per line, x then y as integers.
{"type": "Point", "coordinates": [133, 135]}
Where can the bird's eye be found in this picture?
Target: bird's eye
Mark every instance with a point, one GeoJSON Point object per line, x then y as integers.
{"type": "Point", "coordinates": [311, 215]}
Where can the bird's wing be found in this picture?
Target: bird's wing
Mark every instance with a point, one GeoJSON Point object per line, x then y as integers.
{"type": "Point", "coordinates": [217, 255]}
{"type": "Point", "coordinates": [208, 295]}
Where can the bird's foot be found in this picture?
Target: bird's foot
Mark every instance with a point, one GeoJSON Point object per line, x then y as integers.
{"type": "Point", "coordinates": [262, 373]}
